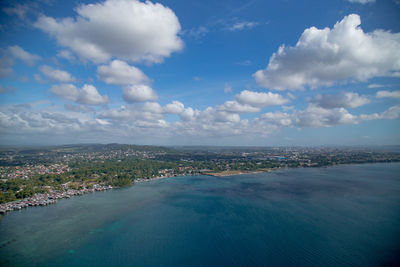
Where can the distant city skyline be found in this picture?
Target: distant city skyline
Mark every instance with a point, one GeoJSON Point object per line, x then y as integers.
{"type": "Point", "coordinates": [229, 73]}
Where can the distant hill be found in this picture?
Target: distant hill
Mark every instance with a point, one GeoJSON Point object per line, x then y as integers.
{"type": "Point", "coordinates": [75, 148]}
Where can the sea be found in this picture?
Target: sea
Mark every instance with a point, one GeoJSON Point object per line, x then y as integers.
{"type": "Point", "coordinates": [347, 215]}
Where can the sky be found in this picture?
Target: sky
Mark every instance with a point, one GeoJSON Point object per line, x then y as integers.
{"type": "Point", "coordinates": [242, 73]}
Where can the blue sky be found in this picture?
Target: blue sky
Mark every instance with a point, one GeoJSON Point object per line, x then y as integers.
{"type": "Point", "coordinates": [200, 72]}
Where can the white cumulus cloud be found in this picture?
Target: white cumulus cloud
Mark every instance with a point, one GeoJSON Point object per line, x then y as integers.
{"type": "Point", "coordinates": [260, 99]}
{"type": "Point", "coordinates": [56, 75]}
{"type": "Point", "coordinates": [390, 94]}
{"type": "Point", "coordinates": [341, 100]}
{"type": "Point", "coordinates": [87, 95]}
{"type": "Point", "coordinates": [315, 116]}
{"type": "Point", "coordinates": [126, 29]}
{"type": "Point", "coordinates": [322, 57]}
{"type": "Point", "coordinates": [361, 1]}
{"type": "Point", "coordinates": [175, 107]}
{"type": "Point", "coordinates": [119, 72]}
{"type": "Point", "coordinates": [389, 114]}
{"type": "Point", "coordinates": [189, 114]}
{"type": "Point", "coordinates": [235, 107]}
{"type": "Point", "coordinates": [278, 118]}
{"type": "Point", "coordinates": [139, 93]}
{"type": "Point", "coordinates": [90, 95]}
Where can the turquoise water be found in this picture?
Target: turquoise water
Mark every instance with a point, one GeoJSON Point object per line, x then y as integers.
{"type": "Point", "coordinates": [336, 216]}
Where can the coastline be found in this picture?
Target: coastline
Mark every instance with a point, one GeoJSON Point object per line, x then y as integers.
{"type": "Point", "coordinates": [44, 199]}
{"type": "Point", "coordinates": [52, 197]}
{"type": "Point", "coordinates": [236, 172]}
{"type": "Point", "coordinates": [140, 180]}
{"type": "Point", "coordinates": [39, 200]}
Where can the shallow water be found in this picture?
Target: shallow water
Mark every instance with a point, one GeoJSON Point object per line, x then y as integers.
{"type": "Point", "coordinates": [342, 215]}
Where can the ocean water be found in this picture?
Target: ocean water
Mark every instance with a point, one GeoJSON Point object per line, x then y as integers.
{"type": "Point", "coordinates": [336, 216]}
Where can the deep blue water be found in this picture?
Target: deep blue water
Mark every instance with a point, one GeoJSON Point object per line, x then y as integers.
{"type": "Point", "coordinates": [337, 216]}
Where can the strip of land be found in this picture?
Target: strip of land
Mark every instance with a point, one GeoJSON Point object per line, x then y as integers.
{"type": "Point", "coordinates": [233, 172]}
{"type": "Point", "coordinates": [36, 176]}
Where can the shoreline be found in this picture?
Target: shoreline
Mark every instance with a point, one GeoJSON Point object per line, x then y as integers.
{"type": "Point", "coordinates": [45, 199]}
{"type": "Point", "coordinates": [140, 180]}
{"type": "Point", "coordinates": [234, 173]}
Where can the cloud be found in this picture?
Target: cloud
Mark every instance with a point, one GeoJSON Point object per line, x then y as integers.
{"type": "Point", "coordinates": [56, 75]}
{"type": "Point", "coordinates": [66, 91]}
{"type": "Point", "coordinates": [148, 114]}
{"type": "Point", "coordinates": [9, 56]}
{"type": "Point", "coordinates": [122, 113]}
{"type": "Point", "coordinates": [256, 99]}
{"type": "Point", "coordinates": [128, 30]}
{"type": "Point", "coordinates": [138, 121]}
{"type": "Point", "coordinates": [18, 10]}
{"type": "Point", "coordinates": [17, 122]}
{"type": "Point", "coordinates": [361, 1]}
{"type": "Point", "coordinates": [78, 108]}
{"type": "Point", "coordinates": [152, 107]}
{"type": "Point", "coordinates": [66, 54]}
{"type": "Point", "coordinates": [235, 107]}
{"type": "Point", "coordinates": [6, 69]}
{"type": "Point", "coordinates": [152, 114]}
{"type": "Point", "coordinates": [291, 96]}
{"type": "Point", "coordinates": [374, 85]}
{"type": "Point", "coordinates": [6, 89]}
{"type": "Point", "coordinates": [323, 57]}
{"type": "Point", "coordinates": [390, 94]}
{"type": "Point", "coordinates": [245, 63]}
{"type": "Point", "coordinates": [87, 95]}
{"type": "Point", "coordinates": [315, 116]}
{"type": "Point", "coordinates": [90, 95]}
{"type": "Point", "coordinates": [119, 72]}
{"type": "Point", "coordinates": [278, 118]}
{"type": "Point", "coordinates": [139, 93]}
{"type": "Point", "coordinates": [342, 100]}
{"type": "Point", "coordinates": [175, 107]}
{"type": "Point", "coordinates": [227, 88]}
{"type": "Point", "coordinates": [197, 33]}
{"type": "Point", "coordinates": [215, 115]}
{"type": "Point", "coordinates": [242, 25]}
{"type": "Point", "coordinates": [189, 114]}
{"type": "Point", "coordinates": [19, 53]}
{"type": "Point", "coordinates": [39, 78]}
{"type": "Point", "coordinates": [389, 114]}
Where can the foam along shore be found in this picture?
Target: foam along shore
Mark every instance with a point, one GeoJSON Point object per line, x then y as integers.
{"type": "Point", "coordinates": [48, 198]}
